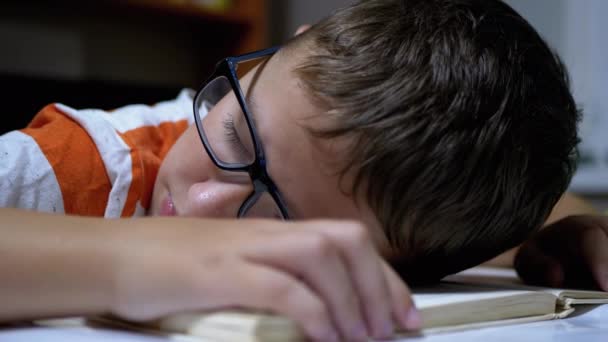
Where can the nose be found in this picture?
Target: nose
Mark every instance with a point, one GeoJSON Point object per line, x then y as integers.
{"type": "Point", "coordinates": [216, 199]}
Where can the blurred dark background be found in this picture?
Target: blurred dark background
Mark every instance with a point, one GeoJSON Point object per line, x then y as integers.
{"type": "Point", "coordinates": [109, 53]}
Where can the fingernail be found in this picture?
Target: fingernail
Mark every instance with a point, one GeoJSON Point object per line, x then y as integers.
{"type": "Point", "coordinates": [360, 333]}
{"type": "Point", "coordinates": [333, 337]}
{"type": "Point", "coordinates": [386, 331]}
{"type": "Point", "coordinates": [412, 320]}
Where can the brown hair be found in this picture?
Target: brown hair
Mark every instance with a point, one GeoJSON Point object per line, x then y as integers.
{"type": "Point", "coordinates": [462, 122]}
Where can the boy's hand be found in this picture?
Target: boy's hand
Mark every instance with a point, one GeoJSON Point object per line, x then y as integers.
{"type": "Point", "coordinates": [572, 252]}
{"type": "Point", "coordinates": [326, 275]}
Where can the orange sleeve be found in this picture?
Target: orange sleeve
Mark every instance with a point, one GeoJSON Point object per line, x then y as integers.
{"type": "Point", "coordinates": [75, 160]}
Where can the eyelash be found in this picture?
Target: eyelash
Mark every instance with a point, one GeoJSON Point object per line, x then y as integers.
{"type": "Point", "coordinates": [232, 136]}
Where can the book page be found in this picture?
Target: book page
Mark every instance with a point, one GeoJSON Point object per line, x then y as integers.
{"type": "Point", "coordinates": [450, 303]}
{"type": "Point", "coordinates": [213, 326]}
{"type": "Point", "coordinates": [450, 293]}
{"type": "Point", "coordinates": [506, 278]}
{"type": "Point", "coordinates": [579, 296]}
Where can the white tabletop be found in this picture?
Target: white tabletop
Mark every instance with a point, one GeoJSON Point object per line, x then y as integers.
{"type": "Point", "coordinates": [589, 325]}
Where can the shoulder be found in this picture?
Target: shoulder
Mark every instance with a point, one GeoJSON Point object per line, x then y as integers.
{"type": "Point", "coordinates": [81, 158]}
{"type": "Point", "coordinates": [27, 177]}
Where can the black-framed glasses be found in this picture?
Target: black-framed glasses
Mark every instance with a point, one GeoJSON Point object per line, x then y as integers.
{"type": "Point", "coordinates": [230, 137]}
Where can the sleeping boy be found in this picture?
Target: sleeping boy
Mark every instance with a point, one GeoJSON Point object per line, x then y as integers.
{"type": "Point", "coordinates": [431, 135]}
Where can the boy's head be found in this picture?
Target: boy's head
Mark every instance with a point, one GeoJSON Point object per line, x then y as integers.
{"type": "Point", "coordinates": [445, 125]}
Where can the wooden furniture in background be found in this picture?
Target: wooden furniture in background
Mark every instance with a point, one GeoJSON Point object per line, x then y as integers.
{"type": "Point", "coordinates": [110, 53]}
{"type": "Point", "coordinates": [250, 15]}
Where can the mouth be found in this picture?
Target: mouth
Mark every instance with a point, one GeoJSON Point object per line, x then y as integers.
{"type": "Point", "coordinates": [167, 207]}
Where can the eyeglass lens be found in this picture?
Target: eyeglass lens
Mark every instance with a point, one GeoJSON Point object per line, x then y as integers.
{"type": "Point", "coordinates": [228, 137]}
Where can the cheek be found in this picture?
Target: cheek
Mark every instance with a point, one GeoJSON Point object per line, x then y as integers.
{"type": "Point", "coordinates": [186, 161]}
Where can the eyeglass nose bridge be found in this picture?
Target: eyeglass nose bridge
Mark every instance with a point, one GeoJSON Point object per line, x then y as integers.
{"type": "Point", "coordinates": [260, 180]}
{"type": "Point", "coordinates": [261, 184]}
{"type": "Point", "coordinates": [259, 175]}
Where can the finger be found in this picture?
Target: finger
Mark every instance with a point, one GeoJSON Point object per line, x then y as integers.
{"type": "Point", "coordinates": [366, 271]}
{"type": "Point", "coordinates": [594, 249]}
{"type": "Point", "coordinates": [404, 310]}
{"type": "Point", "coordinates": [279, 292]}
{"type": "Point", "coordinates": [536, 267]}
{"type": "Point", "coordinates": [313, 258]}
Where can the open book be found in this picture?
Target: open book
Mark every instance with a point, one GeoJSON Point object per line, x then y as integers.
{"type": "Point", "coordinates": [472, 299]}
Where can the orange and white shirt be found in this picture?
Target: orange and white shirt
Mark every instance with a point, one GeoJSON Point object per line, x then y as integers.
{"type": "Point", "coordinates": [90, 162]}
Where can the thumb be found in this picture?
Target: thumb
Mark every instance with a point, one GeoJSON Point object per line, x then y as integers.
{"type": "Point", "coordinates": [595, 254]}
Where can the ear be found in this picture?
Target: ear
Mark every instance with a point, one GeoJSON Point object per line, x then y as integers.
{"type": "Point", "coordinates": [301, 29]}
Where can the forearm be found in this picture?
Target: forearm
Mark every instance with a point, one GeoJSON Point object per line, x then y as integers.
{"type": "Point", "coordinates": [54, 265]}
{"type": "Point", "coordinates": [568, 205]}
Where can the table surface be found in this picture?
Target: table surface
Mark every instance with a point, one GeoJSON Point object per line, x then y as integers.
{"type": "Point", "coordinates": [589, 326]}
{"type": "Point", "coordinates": [586, 324]}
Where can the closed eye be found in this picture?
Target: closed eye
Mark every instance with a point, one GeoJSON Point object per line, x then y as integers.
{"type": "Point", "coordinates": [233, 138]}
